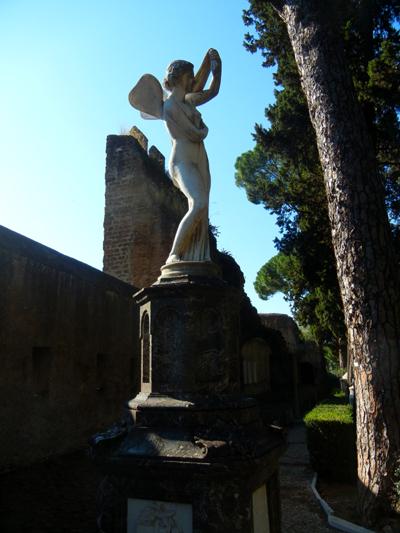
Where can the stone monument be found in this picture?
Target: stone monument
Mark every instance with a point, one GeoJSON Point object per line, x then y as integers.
{"type": "Point", "coordinates": [192, 454]}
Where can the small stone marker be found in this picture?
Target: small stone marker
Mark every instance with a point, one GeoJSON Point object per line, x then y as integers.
{"type": "Point", "coordinates": [148, 516]}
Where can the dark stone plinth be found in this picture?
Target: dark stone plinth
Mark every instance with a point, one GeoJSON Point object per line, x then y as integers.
{"type": "Point", "coordinates": [216, 469]}
{"type": "Point", "coordinates": [193, 411]}
{"type": "Point", "coordinates": [189, 338]}
{"type": "Point", "coordinates": [190, 437]}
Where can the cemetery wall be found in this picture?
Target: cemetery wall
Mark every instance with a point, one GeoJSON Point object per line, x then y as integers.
{"type": "Point", "coordinates": [68, 350]}
{"type": "Point", "coordinates": [304, 361]}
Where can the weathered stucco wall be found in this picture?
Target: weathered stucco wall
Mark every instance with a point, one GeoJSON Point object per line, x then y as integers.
{"type": "Point", "coordinates": [142, 210]}
{"type": "Point", "coordinates": [307, 367]}
{"type": "Point", "coordinates": [287, 327]}
{"type": "Point", "coordinates": [68, 350]}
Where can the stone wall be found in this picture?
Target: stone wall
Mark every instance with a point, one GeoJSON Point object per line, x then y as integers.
{"type": "Point", "coordinates": [307, 362]}
{"type": "Point", "coordinates": [287, 327]}
{"type": "Point", "coordinates": [255, 355]}
{"type": "Point", "coordinates": [68, 349]}
{"type": "Point", "coordinates": [142, 210]}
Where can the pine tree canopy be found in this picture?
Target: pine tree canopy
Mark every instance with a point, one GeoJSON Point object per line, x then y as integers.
{"type": "Point", "coordinates": [283, 171]}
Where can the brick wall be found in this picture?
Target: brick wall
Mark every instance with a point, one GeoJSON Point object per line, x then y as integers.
{"type": "Point", "coordinates": [142, 210]}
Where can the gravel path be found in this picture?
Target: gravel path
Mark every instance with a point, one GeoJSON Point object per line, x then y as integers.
{"type": "Point", "coordinates": [301, 512]}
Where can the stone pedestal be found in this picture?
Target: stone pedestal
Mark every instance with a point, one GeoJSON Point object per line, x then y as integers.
{"type": "Point", "coordinates": [185, 270]}
{"type": "Point", "coordinates": [192, 454]}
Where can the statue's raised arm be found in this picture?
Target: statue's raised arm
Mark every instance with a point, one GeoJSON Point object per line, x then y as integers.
{"type": "Point", "coordinates": [211, 63]}
{"type": "Point", "coordinates": [188, 164]}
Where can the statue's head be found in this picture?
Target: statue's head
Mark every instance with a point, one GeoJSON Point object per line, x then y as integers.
{"type": "Point", "coordinates": [175, 72]}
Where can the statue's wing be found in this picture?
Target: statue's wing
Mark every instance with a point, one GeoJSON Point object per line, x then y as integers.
{"type": "Point", "coordinates": [147, 96]}
{"type": "Point", "coordinates": [147, 116]}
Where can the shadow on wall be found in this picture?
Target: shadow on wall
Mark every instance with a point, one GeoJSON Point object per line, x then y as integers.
{"type": "Point", "coordinates": [68, 349]}
{"type": "Point", "coordinates": [299, 369]}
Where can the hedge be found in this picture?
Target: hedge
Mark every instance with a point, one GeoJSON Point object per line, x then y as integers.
{"type": "Point", "coordinates": [331, 440]}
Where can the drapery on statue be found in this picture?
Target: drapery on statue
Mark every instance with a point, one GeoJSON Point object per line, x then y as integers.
{"type": "Point", "coordinates": [188, 164]}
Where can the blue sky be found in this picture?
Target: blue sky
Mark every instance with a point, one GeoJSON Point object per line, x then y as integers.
{"type": "Point", "coordinates": [67, 68]}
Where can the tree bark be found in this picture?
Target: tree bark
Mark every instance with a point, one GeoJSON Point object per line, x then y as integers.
{"type": "Point", "coordinates": [367, 265]}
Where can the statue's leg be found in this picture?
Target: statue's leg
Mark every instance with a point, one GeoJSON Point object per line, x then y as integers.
{"type": "Point", "coordinates": [205, 173]}
{"type": "Point", "coordinates": [191, 183]}
{"type": "Point", "coordinates": [205, 170]}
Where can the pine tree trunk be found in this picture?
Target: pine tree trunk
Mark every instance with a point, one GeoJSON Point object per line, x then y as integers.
{"type": "Point", "coordinates": [366, 260]}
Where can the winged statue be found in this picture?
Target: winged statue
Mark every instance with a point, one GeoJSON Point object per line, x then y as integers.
{"type": "Point", "coordinates": [177, 104]}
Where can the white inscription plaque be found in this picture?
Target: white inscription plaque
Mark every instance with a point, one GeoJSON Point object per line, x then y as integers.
{"type": "Point", "coordinates": [260, 510]}
{"type": "Point", "coordinates": [151, 516]}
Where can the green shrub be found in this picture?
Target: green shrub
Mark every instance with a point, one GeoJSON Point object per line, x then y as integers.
{"type": "Point", "coordinates": [336, 397]}
{"type": "Point", "coordinates": [331, 440]}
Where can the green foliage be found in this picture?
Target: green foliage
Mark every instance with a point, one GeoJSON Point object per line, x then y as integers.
{"type": "Point", "coordinates": [328, 413]}
{"type": "Point", "coordinates": [328, 424]}
{"type": "Point", "coordinates": [283, 171]}
{"type": "Point", "coordinates": [332, 365]}
{"type": "Point", "coordinates": [337, 396]}
{"type": "Point", "coordinates": [277, 275]}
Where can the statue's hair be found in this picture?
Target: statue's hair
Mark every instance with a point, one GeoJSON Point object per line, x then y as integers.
{"type": "Point", "coordinates": [174, 71]}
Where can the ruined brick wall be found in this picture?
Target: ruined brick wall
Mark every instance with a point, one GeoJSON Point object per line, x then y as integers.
{"type": "Point", "coordinates": [68, 350]}
{"type": "Point", "coordinates": [142, 210]}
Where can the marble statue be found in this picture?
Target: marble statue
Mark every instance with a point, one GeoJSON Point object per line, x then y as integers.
{"type": "Point", "coordinates": [188, 164]}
